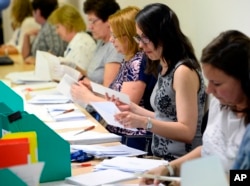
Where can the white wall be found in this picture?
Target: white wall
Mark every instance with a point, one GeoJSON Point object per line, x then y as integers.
{"type": "Point", "coordinates": [201, 20]}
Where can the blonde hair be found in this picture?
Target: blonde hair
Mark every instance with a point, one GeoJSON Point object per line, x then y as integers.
{"type": "Point", "coordinates": [69, 17]}
{"type": "Point", "coordinates": [20, 9]}
{"type": "Point", "coordinates": [123, 24]}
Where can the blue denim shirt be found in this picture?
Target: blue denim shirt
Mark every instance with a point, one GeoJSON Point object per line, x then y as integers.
{"type": "Point", "coordinates": [242, 161]}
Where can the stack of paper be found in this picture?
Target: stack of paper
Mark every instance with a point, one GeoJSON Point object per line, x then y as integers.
{"type": "Point", "coordinates": [49, 99]}
{"type": "Point", "coordinates": [129, 164]}
{"type": "Point", "coordinates": [89, 137]}
{"type": "Point", "coordinates": [99, 178]}
{"type": "Point", "coordinates": [66, 114]}
{"type": "Point", "coordinates": [109, 151]}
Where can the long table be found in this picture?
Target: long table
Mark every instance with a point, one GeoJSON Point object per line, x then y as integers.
{"type": "Point", "coordinates": [19, 66]}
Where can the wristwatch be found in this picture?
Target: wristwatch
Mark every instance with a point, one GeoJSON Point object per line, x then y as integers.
{"type": "Point", "coordinates": [149, 124]}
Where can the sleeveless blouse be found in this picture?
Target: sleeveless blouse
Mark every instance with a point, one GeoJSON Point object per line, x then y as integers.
{"type": "Point", "coordinates": [133, 70]}
{"type": "Point", "coordinates": [164, 104]}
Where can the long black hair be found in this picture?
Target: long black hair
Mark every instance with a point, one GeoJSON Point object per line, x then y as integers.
{"type": "Point", "coordinates": [161, 25]}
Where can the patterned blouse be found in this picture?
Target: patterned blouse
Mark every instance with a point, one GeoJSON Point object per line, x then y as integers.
{"type": "Point", "coordinates": [133, 70]}
{"type": "Point", "coordinates": [164, 104]}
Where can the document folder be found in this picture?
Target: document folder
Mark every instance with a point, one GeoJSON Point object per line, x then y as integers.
{"type": "Point", "coordinates": [10, 98]}
{"type": "Point", "coordinates": [14, 152]}
{"type": "Point", "coordinates": [52, 149]}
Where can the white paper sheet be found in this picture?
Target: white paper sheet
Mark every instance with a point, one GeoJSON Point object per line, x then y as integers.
{"type": "Point", "coordinates": [29, 173]}
{"type": "Point", "coordinates": [129, 164]}
{"type": "Point", "coordinates": [99, 178]}
{"type": "Point", "coordinates": [107, 110]}
{"type": "Point", "coordinates": [97, 88]}
{"type": "Point", "coordinates": [109, 151]}
{"type": "Point", "coordinates": [89, 137]}
{"type": "Point", "coordinates": [65, 85]}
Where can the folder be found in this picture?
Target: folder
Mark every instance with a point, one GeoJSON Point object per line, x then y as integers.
{"type": "Point", "coordinates": [31, 136]}
{"type": "Point", "coordinates": [52, 149]}
{"type": "Point", "coordinates": [10, 98]}
{"type": "Point", "coordinates": [14, 152]}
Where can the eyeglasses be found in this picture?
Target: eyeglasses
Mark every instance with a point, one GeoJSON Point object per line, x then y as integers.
{"type": "Point", "coordinates": [92, 22]}
{"type": "Point", "coordinates": [142, 39]}
{"type": "Point", "coordinates": [114, 36]}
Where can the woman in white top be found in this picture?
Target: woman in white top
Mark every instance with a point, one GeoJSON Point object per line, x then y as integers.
{"type": "Point", "coordinates": [71, 27]}
{"type": "Point", "coordinates": [22, 22]}
{"type": "Point", "coordinates": [226, 65]}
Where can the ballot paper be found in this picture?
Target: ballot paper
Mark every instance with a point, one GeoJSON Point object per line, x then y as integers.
{"type": "Point", "coordinates": [107, 110]}
{"type": "Point", "coordinates": [129, 164]}
{"type": "Point", "coordinates": [109, 151]}
{"type": "Point", "coordinates": [65, 84]}
{"type": "Point", "coordinates": [100, 89]}
{"type": "Point", "coordinates": [60, 114]}
{"type": "Point", "coordinates": [99, 178]}
{"type": "Point", "coordinates": [49, 99]}
{"type": "Point", "coordinates": [89, 137]}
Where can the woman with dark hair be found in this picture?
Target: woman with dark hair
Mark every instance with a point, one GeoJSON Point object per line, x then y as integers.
{"type": "Point", "coordinates": [46, 39]}
{"type": "Point", "coordinates": [226, 65]}
{"type": "Point", "coordinates": [178, 98]}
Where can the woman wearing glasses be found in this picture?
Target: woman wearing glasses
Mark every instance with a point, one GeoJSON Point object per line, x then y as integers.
{"type": "Point", "coordinates": [178, 98]}
{"type": "Point", "coordinates": [131, 78]}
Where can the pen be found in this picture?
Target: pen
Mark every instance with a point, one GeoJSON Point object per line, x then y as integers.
{"type": "Point", "coordinates": [162, 178]}
{"type": "Point", "coordinates": [82, 165]}
{"type": "Point", "coordinates": [84, 130]}
{"type": "Point", "coordinates": [66, 111]}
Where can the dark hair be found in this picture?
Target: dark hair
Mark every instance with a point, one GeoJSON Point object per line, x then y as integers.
{"type": "Point", "coordinates": [102, 8]}
{"type": "Point", "coordinates": [161, 25]}
{"type": "Point", "coordinates": [230, 52]}
{"type": "Point", "coordinates": [45, 6]}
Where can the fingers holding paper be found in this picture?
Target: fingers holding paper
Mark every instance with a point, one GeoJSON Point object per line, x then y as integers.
{"type": "Point", "coordinates": [131, 120]}
{"type": "Point", "coordinates": [80, 92]}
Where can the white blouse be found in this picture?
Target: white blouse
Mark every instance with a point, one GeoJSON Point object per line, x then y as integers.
{"type": "Point", "coordinates": [223, 134]}
{"type": "Point", "coordinates": [80, 50]}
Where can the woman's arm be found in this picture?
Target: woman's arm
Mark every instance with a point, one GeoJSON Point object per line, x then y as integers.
{"type": "Point", "coordinates": [111, 70]}
{"type": "Point", "coordinates": [175, 164]}
{"type": "Point", "coordinates": [186, 86]}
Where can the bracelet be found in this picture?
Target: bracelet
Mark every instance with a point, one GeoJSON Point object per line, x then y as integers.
{"type": "Point", "coordinates": [170, 169]}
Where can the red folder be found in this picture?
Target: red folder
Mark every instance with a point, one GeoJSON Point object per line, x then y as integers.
{"type": "Point", "coordinates": [14, 152]}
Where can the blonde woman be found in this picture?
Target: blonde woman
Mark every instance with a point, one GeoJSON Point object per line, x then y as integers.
{"type": "Point", "coordinates": [130, 79]}
{"type": "Point", "coordinates": [22, 21]}
{"type": "Point", "coordinates": [71, 27]}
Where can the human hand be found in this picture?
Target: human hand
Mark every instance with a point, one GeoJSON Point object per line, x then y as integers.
{"type": "Point", "coordinates": [67, 62]}
{"type": "Point", "coordinates": [81, 93]}
{"type": "Point", "coordinates": [30, 60]}
{"type": "Point", "coordinates": [131, 120]}
{"type": "Point", "coordinates": [158, 171]}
